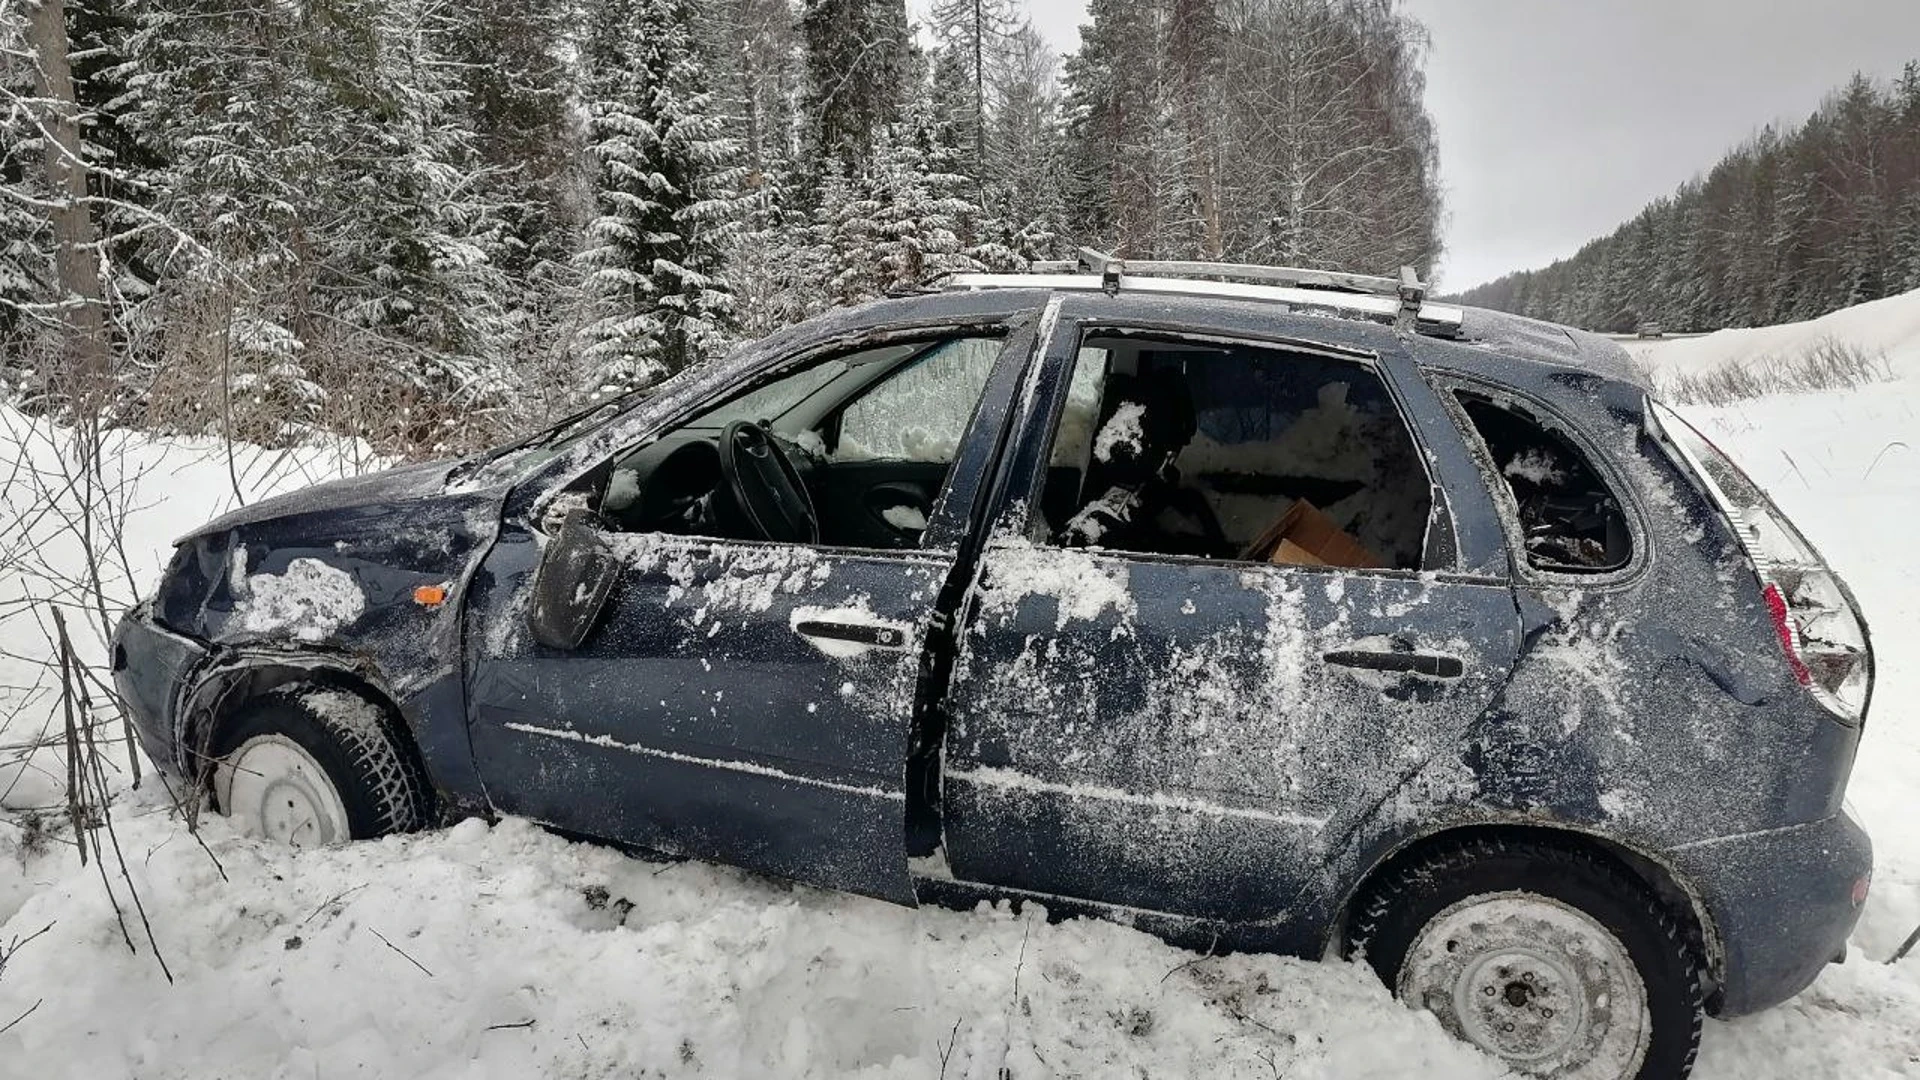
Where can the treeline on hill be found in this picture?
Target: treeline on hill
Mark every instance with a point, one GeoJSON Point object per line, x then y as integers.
{"type": "Point", "coordinates": [425, 223]}
{"type": "Point", "coordinates": [1787, 227]}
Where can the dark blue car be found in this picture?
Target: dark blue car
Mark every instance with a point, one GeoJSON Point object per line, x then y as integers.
{"type": "Point", "coordinates": [1260, 609]}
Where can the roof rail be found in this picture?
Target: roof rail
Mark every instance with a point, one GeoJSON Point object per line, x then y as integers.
{"type": "Point", "coordinates": [1401, 300]}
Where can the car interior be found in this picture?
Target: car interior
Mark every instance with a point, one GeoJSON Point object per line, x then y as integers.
{"type": "Point", "coordinates": [1568, 518]}
{"type": "Point", "coordinates": [851, 450]}
{"type": "Point", "coordinates": [1234, 452]}
{"type": "Point", "coordinates": [1163, 446]}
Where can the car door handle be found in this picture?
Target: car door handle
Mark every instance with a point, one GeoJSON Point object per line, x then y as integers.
{"type": "Point", "coordinates": [886, 637]}
{"type": "Point", "coordinates": [1417, 663]}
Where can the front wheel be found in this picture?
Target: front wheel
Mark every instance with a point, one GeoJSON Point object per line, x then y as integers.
{"type": "Point", "coordinates": [310, 765]}
{"type": "Point", "coordinates": [1548, 957]}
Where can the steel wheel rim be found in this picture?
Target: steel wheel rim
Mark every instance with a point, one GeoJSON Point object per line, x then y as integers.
{"type": "Point", "coordinates": [1536, 982]}
{"type": "Point", "coordinates": [272, 787]}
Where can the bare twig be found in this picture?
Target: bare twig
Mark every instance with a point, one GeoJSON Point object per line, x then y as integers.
{"type": "Point", "coordinates": [401, 951]}
{"type": "Point", "coordinates": [946, 1052]}
{"type": "Point", "coordinates": [332, 900]}
{"type": "Point", "coordinates": [1208, 955]}
{"type": "Point", "coordinates": [1906, 947]}
{"type": "Point", "coordinates": [22, 1016]}
{"type": "Point", "coordinates": [1013, 1000]}
{"type": "Point", "coordinates": [1896, 444]}
{"type": "Point", "coordinates": [7, 953]}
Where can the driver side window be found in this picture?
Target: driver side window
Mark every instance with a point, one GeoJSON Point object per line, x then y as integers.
{"type": "Point", "coordinates": [846, 450]}
{"type": "Point", "coordinates": [919, 412]}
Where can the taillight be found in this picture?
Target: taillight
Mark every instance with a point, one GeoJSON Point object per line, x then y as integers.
{"type": "Point", "coordinates": [1825, 640]}
{"type": "Point", "coordinates": [1783, 626]}
{"type": "Point", "coordinates": [1821, 633]}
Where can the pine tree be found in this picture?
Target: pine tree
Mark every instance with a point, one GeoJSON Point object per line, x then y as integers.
{"type": "Point", "coordinates": [973, 36]}
{"type": "Point", "coordinates": [1113, 181]}
{"type": "Point", "coordinates": [435, 293]}
{"type": "Point", "coordinates": [508, 57]}
{"type": "Point", "coordinates": [83, 370]}
{"type": "Point", "coordinates": [664, 192]}
{"type": "Point", "coordinates": [754, 49]}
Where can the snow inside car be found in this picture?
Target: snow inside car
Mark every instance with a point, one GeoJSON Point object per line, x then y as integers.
{"type": "Point", "coordinates": [1260, 609]}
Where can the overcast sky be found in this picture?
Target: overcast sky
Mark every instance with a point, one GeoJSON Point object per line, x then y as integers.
{"type": "Point", "coordinates": [1560, 119]}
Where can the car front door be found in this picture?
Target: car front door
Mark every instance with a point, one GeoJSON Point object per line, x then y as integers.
{"type": "Point", "coordinates": [740, 701]}
{"type": "Point", "coordinates": [1194, 734]}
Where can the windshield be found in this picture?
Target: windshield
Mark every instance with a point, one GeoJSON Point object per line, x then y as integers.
{"type": "Point", "coordinates": [548, 442]}
{"type": "Point", "coordinates": [788, 392]}
{"type": "Point", "coordinates": [773, 400]}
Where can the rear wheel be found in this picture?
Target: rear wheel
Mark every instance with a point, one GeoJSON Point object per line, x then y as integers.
{"type": "Point", "coordinates": [310, 765]}
{"type": "Point", "coordinates": [1550, 958]}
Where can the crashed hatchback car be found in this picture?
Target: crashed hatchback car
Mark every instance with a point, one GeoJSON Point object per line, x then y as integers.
{"type": "Point", "coordinates": [1260, 609]}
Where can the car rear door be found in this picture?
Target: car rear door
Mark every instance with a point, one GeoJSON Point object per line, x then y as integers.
{"type": "Point", "coordinates": [743, 702]}
{"type": "Point", "coordinates": [1195, 735]}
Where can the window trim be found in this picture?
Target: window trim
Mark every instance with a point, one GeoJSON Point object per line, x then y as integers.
{"type": "Point", "coordinates": [1026, 519]}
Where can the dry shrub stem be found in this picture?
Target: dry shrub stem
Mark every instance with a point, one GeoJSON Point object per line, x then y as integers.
{"type": "Point", "coordinates": [1827, 364]}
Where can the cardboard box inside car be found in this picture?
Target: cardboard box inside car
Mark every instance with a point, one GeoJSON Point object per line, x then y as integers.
{"type": "Point", "coordinates": [1306, 536]}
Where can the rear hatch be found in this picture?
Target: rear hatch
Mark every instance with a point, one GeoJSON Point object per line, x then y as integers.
{"type": "Point", "coordinates": [1821, 631]}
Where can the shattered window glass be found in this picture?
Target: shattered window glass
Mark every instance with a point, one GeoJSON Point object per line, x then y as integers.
{"type": "Point", "coordinates": [1570, 521]}
{"type": "Point", "coordinates": [920, 412]}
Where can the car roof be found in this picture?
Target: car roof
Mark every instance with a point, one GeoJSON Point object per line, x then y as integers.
{"type": "Point", "coordinates": [1489, 344]}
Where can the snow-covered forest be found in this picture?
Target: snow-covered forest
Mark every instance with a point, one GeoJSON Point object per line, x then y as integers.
{"type": "Point", "coordinates": [426, 224]}
{"type": "Point", "coordinates": [1791, 225]}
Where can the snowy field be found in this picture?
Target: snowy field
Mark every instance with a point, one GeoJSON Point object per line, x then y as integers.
{"type": "Point", "coordinates": [501, 951]}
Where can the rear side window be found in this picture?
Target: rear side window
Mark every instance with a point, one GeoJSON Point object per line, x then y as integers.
{"type": "Point", "coordinates": [1234, 452]}
{"type": "Point", "coordinates": [1570, 521]}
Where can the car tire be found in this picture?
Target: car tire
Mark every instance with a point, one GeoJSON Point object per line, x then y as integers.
{"type": "Point", "coordinates": [310, 765]}
{"type": "Point", "coordinates": [1491, 936]}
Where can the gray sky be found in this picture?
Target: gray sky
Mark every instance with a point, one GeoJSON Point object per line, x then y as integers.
{"type": "Point", "coordinates": [1560, 119]}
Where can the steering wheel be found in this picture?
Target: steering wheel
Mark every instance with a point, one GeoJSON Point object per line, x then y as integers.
{"type": "Point", "coordinates": [765, 485]}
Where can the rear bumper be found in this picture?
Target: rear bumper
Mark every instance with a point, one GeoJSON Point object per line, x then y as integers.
{"type": "Point", "coordinates": [150, 665]}
{"type": "Point", "coordinates": [1783, 903]}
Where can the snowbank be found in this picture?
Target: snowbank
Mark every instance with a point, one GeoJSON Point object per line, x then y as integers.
{"type": "Point", "coordinates": [508, 952]}
{"type": "Point", "coordinates": [1890, 326]}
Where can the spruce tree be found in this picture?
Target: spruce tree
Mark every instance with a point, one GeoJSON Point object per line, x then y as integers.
{"type": "Point", "coordinates": [857, 73]}
{"type": "Point", "coordinates": [664, 194]}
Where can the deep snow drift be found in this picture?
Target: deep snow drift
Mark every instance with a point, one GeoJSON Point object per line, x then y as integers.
{"type": "Point", "coordinates": [504, 951]}
{"type": "Point", "coordinates": [1890, 326]}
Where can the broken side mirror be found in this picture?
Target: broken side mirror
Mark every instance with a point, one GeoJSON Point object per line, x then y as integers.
{"type": "Point", "coordinates": [571, 586]}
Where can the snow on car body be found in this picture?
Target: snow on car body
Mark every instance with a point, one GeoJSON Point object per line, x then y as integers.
{"type": "Point", "coordinates": [818, 610]}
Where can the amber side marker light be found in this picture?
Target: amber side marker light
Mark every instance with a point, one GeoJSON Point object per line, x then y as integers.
{"type": "Point", "coordinates": [430, 595]}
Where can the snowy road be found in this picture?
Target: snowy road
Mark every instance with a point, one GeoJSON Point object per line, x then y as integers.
{"type": "Point", "coordinates": [503, 951]}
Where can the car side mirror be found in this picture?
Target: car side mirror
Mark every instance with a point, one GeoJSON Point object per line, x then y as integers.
{"type": "Point", "coordinates": [572, 583]}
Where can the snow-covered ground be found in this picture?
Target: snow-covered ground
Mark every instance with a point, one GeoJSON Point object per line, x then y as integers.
{"type": "Point", "coordinates": [1890, 327]}
{"type": "Point", "coordinates": [504, 951]}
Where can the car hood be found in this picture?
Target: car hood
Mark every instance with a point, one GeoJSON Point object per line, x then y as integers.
{"type": "Point", "coordinates": [405, 484]}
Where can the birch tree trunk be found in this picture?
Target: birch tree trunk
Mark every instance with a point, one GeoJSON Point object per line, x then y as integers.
{"type": "Point", "coordinates": [84, 370]}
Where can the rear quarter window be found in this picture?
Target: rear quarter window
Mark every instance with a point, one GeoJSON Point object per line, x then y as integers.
{"type": "Point", "coordinates": [1568, 519]}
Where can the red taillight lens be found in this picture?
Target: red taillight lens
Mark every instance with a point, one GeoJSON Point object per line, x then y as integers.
{"type": "Point", "coordinates": [1783, 626]}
